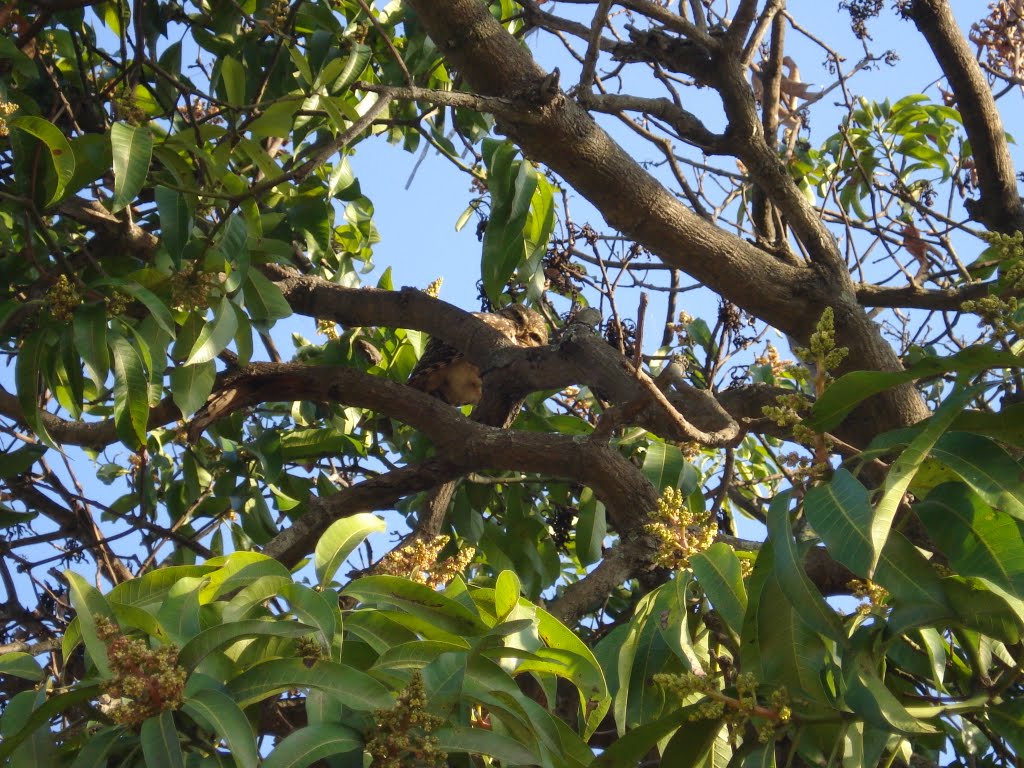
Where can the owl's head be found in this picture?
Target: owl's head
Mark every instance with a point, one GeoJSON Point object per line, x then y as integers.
{"type": "Point", "coordinates": [531, 330]}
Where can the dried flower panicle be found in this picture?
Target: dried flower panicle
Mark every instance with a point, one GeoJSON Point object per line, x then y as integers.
{"type": "Point", "coordinates": [146, 681]}
{"type": "Point", "coordinates": [418, 561]}
{"type": "Point", "coordinates": [680, 533]}
{"type": "Point", "coordinates": [401, 738]}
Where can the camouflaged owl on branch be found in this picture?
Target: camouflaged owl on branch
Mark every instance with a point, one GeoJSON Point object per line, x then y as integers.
{"type": "Point", "coordinates": [444, 372]}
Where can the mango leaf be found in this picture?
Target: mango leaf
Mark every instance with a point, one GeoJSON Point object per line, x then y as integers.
{"type": "Point", "coordinates": [232, 74]}
{"type": "Point", "coordinates": [26, 379]}
{"type": "Point", "coordinates": [458, 739]}
{"type": "Point", "coordinates": [339, 540]}
{"type": "Point", "coordinates": [160, 745]}
{"type": "Point", "coordinates": [21, 460]}
{"type": "Point", "coordinates": [132, 150]}
{"type": "Point", "coordinates": [905, 467]}
{"type": "Point", "coordinates": [263, 299]}
{"type": "Point", "coordinates": [90, 332]}
{"type": "Point", "coordinates": [358, 690]}
{"type": "Point", "coordinates": [219, 713]}
{"type": "Point", "coordinates": [154, 305]}
{"type": "Point", "coordinates": [506, 594]}
{"type": "Point", "coordinates": [789, 571]}
{"type": "Point", "coordinates": [841, 515]}
{"type": "Point", "coordinates": [191, 385]}
{"type": "Point", "coordinates": [844, 394]}
{"type": "Point", "coordinates": [175, 222]}
{"type": "Point", "coordinates": [631, 748]}
{"type": "Point", "coordinates": [867, 695]}
{"type": "Point", "coordinates": [61, 154]}
{"type": "Point", "coordinates": [718, 571]}
{"type": "Point", "coordinates": [419, 600]}
{"type": "Point", "coordinates": [43, 714]}
{"type": "Point", "coordinates": [642, 654]}
{"type": "Point", "coordinates": [665, 467]}
{"type": "Point", "coordinates": [986, 467]}
{"type": "Point", "coordinates": [89, 604]}
{"type": "Point", "coordinates": [591, 528]}
{"type": "Point", "coordinates": [131, 393]}
{"type": "Point", "coordinates": [312, 743]}
{"type": "Point", "coordinates": [221, 635]}
{"type": "Point", "coordinates": [21, 665]}
{"type": "Point", "coordinates": [978, 540]}
{"type": "Point", "coordinates": [216, 334]}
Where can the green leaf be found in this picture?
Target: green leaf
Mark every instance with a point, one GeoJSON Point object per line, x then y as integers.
{"type": "Point", "coordinates": [458, 739]}
{"type": "Point", "coordinates": [720, 576]}
{"type": "Point", "coordinates": [132, 150]}
{"type": "Point", "coordinates": [131, 393]}
{"type": "Point", "coordinates": [665, 467]}
{"type": "Point", "coordinates": [21, 665]}
{"type": "Point", "coordinates": [905, 467]}
{"type": "Point", "coordinates": [21, 460]}
{"type": "Point", "coordinates": [789, 571]}
{"type": "Point", "coordinates": [358, 690]}
{"type": "Point", "coordinates": [631, 748]}
{"type": "Point", "coordinates": [843, 395]}
{"type": "Point", "coordinates": [419, 600]}
{"type": "Point", "coordinates": [191, 385]}
{"type": "Point", "coordinates": [691, 745]}
{"type": "Point", "coordinates": [978, 540]}
{"type": "Point", "coordinates": [506, 594]}
{"type": "Point", "coordinates": [96, 749]}
{"type": "Point", "coordinates": [90, 331]}
{"type": "Point", "coordinates": [216, 334]}
{"type": "Point", "coordinates": [160, 745]}
{"type": "Point", "coordinates": [841, 515]}
{"type": "Point", "coordinates": [89, 604]}
{"type": "Point", "coordinates": [175, 222]}
{"type": "Point", "coordinates": [154, 305]}
{"type": "Point", "coordinates": [26, 379]}
{"type": "Point", "coordinates": [233, 75]}
{"type": "Point", "coordinates": [867, 695]}
{"type": "Point", "coordinates": [776, 645]}
{"type": "Point", "coordinates": [591, 528]}
{"type": "Point", "coordinates": [263, 299]}
{"type": "Point", "coordinates": [219, 713]}
{"type": "Point", "coordinates": [339, 540]}
{"type": "Point", "coordinates": [642, 654]}
{"type": "Point", "coordinates": [221, 635]}
{"type": "Point", "coordinates": [43, 714]}
{"type": "Point", "coordinates": [312, 743]}
{"type": "Point", "coordinates": [61, 154]}
{"type": "Point", "coordinates": [986, 467]}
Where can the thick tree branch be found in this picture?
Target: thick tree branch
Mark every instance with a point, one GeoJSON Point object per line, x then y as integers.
{"type": "Point", "coordinates": [999, 207]}
{"type": "Point", "coordinates": [567, 139]}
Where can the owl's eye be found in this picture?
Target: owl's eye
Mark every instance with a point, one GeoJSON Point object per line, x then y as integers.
{"type": "Point", "coordinates": [537, 339]}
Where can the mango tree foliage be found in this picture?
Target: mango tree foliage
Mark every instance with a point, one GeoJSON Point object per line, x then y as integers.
{"type": "Point", "coordinates": [655, 540]}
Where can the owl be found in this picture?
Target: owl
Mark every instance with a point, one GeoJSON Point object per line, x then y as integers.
{"type": "Point", "coordinates": [443, 371]}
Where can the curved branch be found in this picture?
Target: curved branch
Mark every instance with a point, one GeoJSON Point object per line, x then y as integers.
{"type": "Point", "coordinates": [999, 207]}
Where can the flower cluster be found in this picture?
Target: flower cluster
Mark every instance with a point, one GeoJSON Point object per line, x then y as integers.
{"type": "Point", "coordinates": [401, 738]}
{"type": "Point", "coordinates": [418, 561]}
{"type": "Point", "coordinates": [680, 533]}
{"type": "Point", "coordinates": [875, 596]}
{"type": "Point", "coordinates": [738, 708]}
{"type": "Point", "coordinates": [145, 681]}
{"type": "Point", "coordinates": [62, 298]}
{"type": "Point", "coordinates": [6, 110]}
